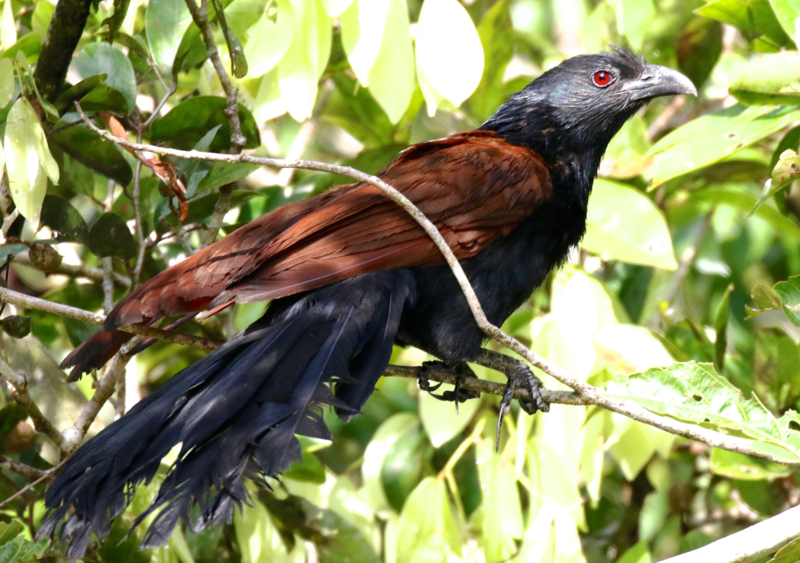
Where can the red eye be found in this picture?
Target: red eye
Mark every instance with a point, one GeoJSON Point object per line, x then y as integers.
{"type": "Point", "coordinates": [601, 78]}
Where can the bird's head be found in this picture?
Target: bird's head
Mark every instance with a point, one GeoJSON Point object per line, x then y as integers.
{"type": "Point", "coordinates": [576, 107]}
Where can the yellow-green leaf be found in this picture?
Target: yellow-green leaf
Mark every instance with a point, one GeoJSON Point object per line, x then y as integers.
{"type": "Point", "coordinates": [8, 29]}
{"type": "Point", "coordinates": [449, 51]}
{"type": "Point", "coordinates": [26, 177]}
{"type": "Point", "coordinates": [269, 40]}
{"type": "Point", "coordinates": [623, 224]}
{"type": "Point", "coordinates": [6, 81]}
{"type": "Point", "coordinates": [363, 26]}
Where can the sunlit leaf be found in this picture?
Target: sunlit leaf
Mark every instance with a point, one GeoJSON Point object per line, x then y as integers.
{"type": "Point", "coordinates": [696, 393]}
{"type": "Point", "coordinates": [790, 553]}
{"type": "Point", "coordinates": [8, 28]}
{"type": "Point", "coordinates": [712, 137]}
{"type": "Point", "coordinates": [27, 177]}
{"type": "Point", "coordinates": [639, 553]}
{"type": "Point", "coordinates": [623, 224]}
{"type": "Point", "coordinates": [377, 450]}
{"type": "Point", "coordinates": [269, 39]}
{"type": "Point", "coordinates": [787, 12]}
{"type": "Point", "coordinates": [633, 16]}
{"type": "Point", "coordinates": [165, 22]}
{"type": "Point", "coordinates": [785, 172]}
{"type": "Point", "coordinates": [440, 420]}
{"type": "Point", "coordinates": [449, 51]}
{"type": "Point", "coordinates": [770, 80]}
{"type": "Point", "coordinates": [305, 60]}
{"type": "Point", "coordinates": [364, 24]}
{"type": "Point", "coordinates": [737, 466]}
{"type": "Point", "coordinates": [391, 78]}
{"type": "Point", "coordinates": [427, 530]}
{"type": "Point", "coordinates": [6, 82]}
{"type": "Point", "coordinates": [789, 291]}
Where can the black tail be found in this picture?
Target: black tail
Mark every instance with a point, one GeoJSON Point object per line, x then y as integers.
{"type": "Point", "coordinates": [236, 412]}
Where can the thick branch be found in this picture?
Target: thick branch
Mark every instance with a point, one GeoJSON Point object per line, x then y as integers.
{"type": "Point", "coordinates": [748, 545]}
{"type": "Point", "coordinates": [63, 34]}
{"type": "Point", "coordinates": [591, 395]}
{"type": "Point", "coordinates": [22, 300]}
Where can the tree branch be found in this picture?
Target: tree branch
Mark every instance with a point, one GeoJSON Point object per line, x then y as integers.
{"type": "Point", "coordinates": [27, 301]}
{"type": "Point", "coordinates": [748, 545]}
{"type": "Point", "coordinates": [63, 34]}
{"type": "Point", "coordinates": [591, 395]}
{"type": "Point", "coordinates": [20, 468]}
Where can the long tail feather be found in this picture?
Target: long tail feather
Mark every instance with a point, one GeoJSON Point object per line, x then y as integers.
{"type": "Point", "coordinates": [236, 413]}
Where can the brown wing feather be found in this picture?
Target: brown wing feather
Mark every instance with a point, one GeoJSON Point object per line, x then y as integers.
{"type": "Point", "coordinates": [474, 186]}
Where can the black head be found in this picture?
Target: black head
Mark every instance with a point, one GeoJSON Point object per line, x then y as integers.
{"type": "Point", "coordinates": [575, 108]}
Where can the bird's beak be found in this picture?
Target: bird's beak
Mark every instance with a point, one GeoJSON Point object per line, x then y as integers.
{"type": "Point", "coordinates": [658, 81]}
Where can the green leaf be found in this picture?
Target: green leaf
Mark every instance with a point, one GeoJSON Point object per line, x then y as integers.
{"type": "Point", "coordinates": [633, 17]}
{"type": "Point", "coordinates": [497, 51]}
{"type": "Point", "coordinates": [42, 14]}
{"type": "Point", "coordinates": [624, 157]}
{"type": "Point", "coordinates": [721, 327]}
{"type": "Point", "coordinates": [451, 73]}
{"type": "Point", "coordinates": [10, 531]}
{"type": "Point", "coordinates": [790, 553]}
{"type": "Point", "coordinates": [696, 393]}
{"type": "Point", "coordinates": [699, 49]}
{"type": "Point", "coordinates": [623, 224]}
{"type": "Point", "coordinates": [190, 120]}
{"type": "Point", "coordinates": [77, 331]}
{"type": "Point", "coordinates": [221, 173]}
{"type": "Point", "coordinates": [8, 28]}
{"type": "Point", "coordinates": [391, 78]}
{"type": "Point", "coordinates": [745, 203]}
{"type": "Point", "coordinates": [787, 12]}
{"type": "Point", "coordinates": [165, 22]}
{"type": "Point", "coordinates": [443, 424]}
{"type": "Point", "coordinates": [427, 530]}
{"type": "Point", "coordinates": [737, 466]}
{"type": "Point", "coordinates": [27, 177]}
{"type": "Point", "coordinates": [712, 137]}
{"type": "Point", "coordinates": [75, 93]}
{"type": "Point", "coordinates": [379, 447]}
{"type": "Point", "coordinates": [404, 466]}
{"type": "Point", "coordinates": [754, 18]}
{"type": "Point", "coordinates": [116, 19]}
{"type": "Point", "coordinates": [364, 24]}
{"type": "Point", "coordinates": [6, 81]}
{"type": "Point", "coordinates": [770, 80]}
{"type": "Point", "coordinates": [89, 148]}
{"type": "Point", "coordinates": [64, 220]}
{"type": "Point", "coordinates": [301, 68]}
{"type": "Point", "coordinates": [789, 292]}
{"type": "Point", "coordinates": [765, 299]}
{"type": "Point", "coordinates": [102, 58]}
{"type": "Point", "coordinates": [110, 236]}
{"type": "Point", "coordinates": [269, 39]}
{"type": "Point", "coordinates": [20, 549]}
{"type": "Point", "coordinates": [639, 553]}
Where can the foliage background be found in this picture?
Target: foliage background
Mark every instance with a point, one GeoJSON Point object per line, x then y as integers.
{"type": "Point", "coordinates": [672, 255]}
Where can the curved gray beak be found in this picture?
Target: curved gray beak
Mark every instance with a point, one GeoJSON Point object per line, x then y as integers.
{"type": "Point", "coordinates": [658, 81]}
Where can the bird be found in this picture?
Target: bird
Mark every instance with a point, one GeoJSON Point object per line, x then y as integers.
{"type": "Point", "coordinates": [348, 274]}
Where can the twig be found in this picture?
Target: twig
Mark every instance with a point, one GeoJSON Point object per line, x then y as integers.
{"type": "Point", "coordinates": [590, 394]}
{"type": "Point", "coordinates": [20, 468]}
{"type": "Point", "coordinates": [19, 390]}
{"type": "Point", "coordinates": [748, 545]}
{"type": "Point", "coordinates": [94, 274]}
{"type": "Point", "coordinates": [47, 475]}
{"type": "Point", "coordinates": [9, 220]}
{"type": "Point", "coordinates": [104, 389]}
{"type": "Point", "coordinates": [22, 300]}
{"type": "Point", "coordinates": [238, 140]}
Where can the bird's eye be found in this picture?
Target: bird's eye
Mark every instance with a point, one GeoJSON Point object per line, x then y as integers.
{"type": "Point", "coordinates": [602, 78]}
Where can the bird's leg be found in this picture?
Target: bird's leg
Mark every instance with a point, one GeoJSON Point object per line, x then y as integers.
{"type": "Point", "coordinates": [461, 371]}
{"type": "Point", "coordinates": [518, 374]}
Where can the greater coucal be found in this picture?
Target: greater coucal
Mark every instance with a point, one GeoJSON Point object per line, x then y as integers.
{"type": "Point", "coordinates": [349, 274]}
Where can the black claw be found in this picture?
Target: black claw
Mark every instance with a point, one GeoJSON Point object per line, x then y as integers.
{"type": "Point", "coordinates": [458, 395]}
{"type": "Point", "coordinates": [522, 375]}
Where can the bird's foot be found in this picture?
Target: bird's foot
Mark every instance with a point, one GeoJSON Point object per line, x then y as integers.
{"type": "Point", "coordinates": [521, 376]}
{"type": "Point", "coordinates": [458, 395]}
